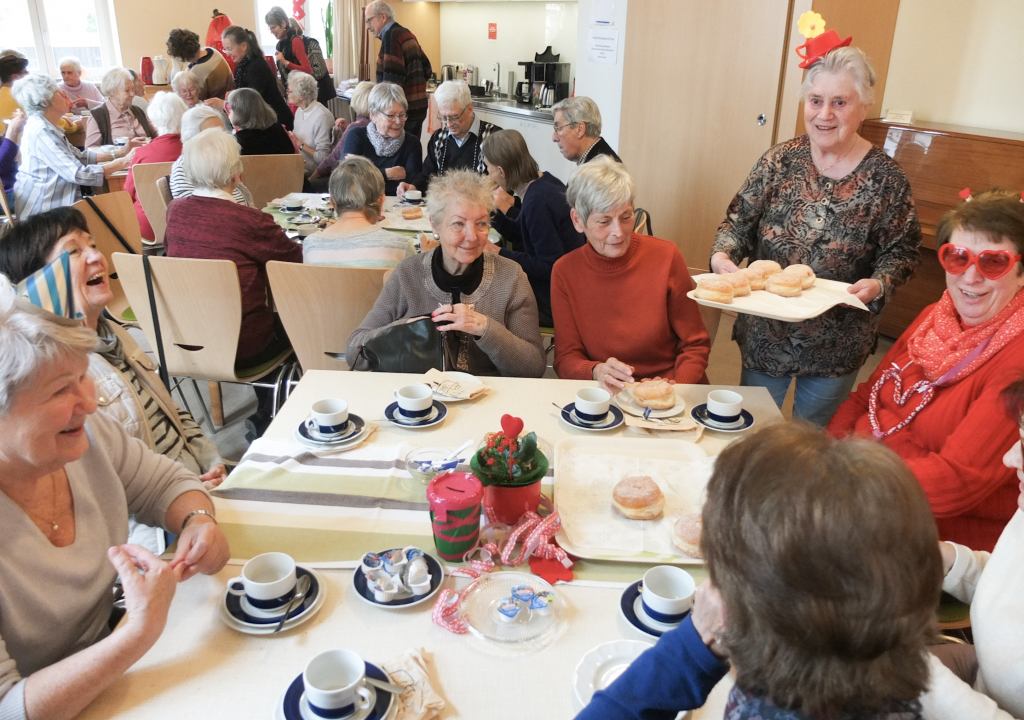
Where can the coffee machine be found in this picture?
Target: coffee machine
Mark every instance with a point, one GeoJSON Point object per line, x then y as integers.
{"type": "Point", "coordinates": [547, 80]}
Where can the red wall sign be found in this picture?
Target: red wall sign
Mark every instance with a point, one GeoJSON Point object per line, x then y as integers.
{"type": "Point", "coordinates": [492, 31]}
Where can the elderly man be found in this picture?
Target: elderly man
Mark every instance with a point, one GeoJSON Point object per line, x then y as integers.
{"type": "Point", "coordinates": [400, 61]}
{"type": "Point", "coordinates": [578, 130]}
{"type": "Point", "coordinates": [456, 144]}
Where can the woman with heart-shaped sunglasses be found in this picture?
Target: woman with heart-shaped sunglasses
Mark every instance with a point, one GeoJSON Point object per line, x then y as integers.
{"type": "Point", "coordinates": [935, 397]}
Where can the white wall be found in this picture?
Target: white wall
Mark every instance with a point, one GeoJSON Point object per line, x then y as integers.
{"type": "Point", "coordinates": [600, 82]}
{"type": "Point", "coordinates": [524, 28]}
{"type": "Point", "coordinates": [960, 62]}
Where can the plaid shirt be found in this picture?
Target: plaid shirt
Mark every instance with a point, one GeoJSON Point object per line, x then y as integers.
{"type": "Point", "coordinates": [51, 169]}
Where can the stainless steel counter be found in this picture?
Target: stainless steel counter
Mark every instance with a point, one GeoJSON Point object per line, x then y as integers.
{"type": "Point", "coordinates": [512, 107]}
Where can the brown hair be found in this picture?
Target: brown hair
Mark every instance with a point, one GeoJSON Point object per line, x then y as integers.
{"type": "Point", "coordinates": [239, 35]}
{"type": "Point", "coordinates": [826, 555]}
{"type": "Point", "coordinates": [995, 213]}
{"type": "Point", "coordinates": [507, 149]}
{"type": "Point", "coordinates": [183, 44]}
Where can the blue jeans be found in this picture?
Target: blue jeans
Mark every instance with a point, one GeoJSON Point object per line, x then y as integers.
{"type": "Point", "coordinates": [816, 399]}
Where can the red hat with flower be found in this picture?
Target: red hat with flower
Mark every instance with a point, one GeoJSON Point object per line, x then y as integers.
{"type": "Point", "coordinates": [819, 41]}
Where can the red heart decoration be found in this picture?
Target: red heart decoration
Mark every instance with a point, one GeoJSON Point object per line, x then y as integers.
{"type": "Point", "coordinates": [511, 426]}
{"type": "Point", "coordinates": [550, 570]}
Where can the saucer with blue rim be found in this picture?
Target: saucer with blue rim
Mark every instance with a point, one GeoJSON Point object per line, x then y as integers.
{"type": "Point", "coordinates": [405, 598]}
{"type": "Point", "coordinates": [352, 428]}
{"type": "Point", "coordinates": [612, 420]}
{"type": "Point", "coordinates": [632, 610]}
{"type": "Point", "coordinates": [700, 415]}
{"type": "Point", "coordinates": [437, 414]}
{"type": "Point", "coordinates": [239, 615]}
{"type": "Point", "coordinates": [292, 704]}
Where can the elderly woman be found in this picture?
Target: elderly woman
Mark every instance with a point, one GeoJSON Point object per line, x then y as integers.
{"type": "Point", "coordinates": [210, 224]}
{"type": "Point", "coordinates": [185, 85]}
{"type": "Point", "coordinates": [13, 66]}
{"type": "Point", "coordinates": [360, 104]}
{"type": "Point", "coordinates": [117, 117]}
{"type": "Point", "coordinates": [314, 123]}
{"type": "Point", "coordinates": [831, 200]}
{"type": "Point", "coordinates": [82, 93]}
{"type": "Point", "coordinates": [620, 302]}
{"type": "Point", "coordinates": [481, 299]}
{"type": "Point", "coordinates": [52, 171]}
{"type": "Point", "coordinates": [296, 52]}
{"type": "Point", "coordinates": [208, 67]}
{"type": "Point", "coordinates": [355, 239]}
{"type": "Point", "coordinates": [256, 126]}
{"type": "Point", "coordinates": [543, 228]}
{"type": "Point", "coordinates": [69, 477]}
{"type": "Point", "coordinates": [165, 112]}
{"type": "Point", "coordinates": [139, 87]}
{"type": "Point", "coordinates": [828, 619]}
{"type": "Point", "coordinates": [934, 398]}
{"type": "Point", "coordinates": [252, 71]}
{"type": "Point", "coordinates": [578, 130]}
{"type": "Point", "coordinates": [384, 140]}
{"type": "Point", "coordinates": [193, 122]}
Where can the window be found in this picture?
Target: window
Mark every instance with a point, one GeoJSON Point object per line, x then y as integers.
{"type": "Point", "coordinates": [44, 31]}
{"type": "Point", "coordinates": [312, 23]}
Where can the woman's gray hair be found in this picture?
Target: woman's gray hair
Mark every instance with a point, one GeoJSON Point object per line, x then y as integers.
{"type": "Point", "coordinates": [212, 159]}
{"type": "Point", "coordinates": [115, 80]}
{"type": "Point", "coordinates": [304, 86]}
{"type": "Point", "coordinates": [457, 185]}
{"type": "Point", "coordinates": [384, 95]}
{"type": "Point", "coordinates": [276, 16]}
{"type": "Point", "coordinates": [453, 92]}
{"type": "Point", "coordinates": [70, 62]}
{"type": "Point", "coordinates": [165, 112]}
{"type": "Point", "coordinates": [249, 111]}
{"type": "Point", "coordinates": [580, 110]}
{"type": "Point", "coordinates": [360, 102]}
{"type": "Point", "coordinates": [357, 185]}
{"type": "Point", "coordinates": [193, 119]}
{"type": "Point", "coordinates": [34, 92]}
{"type": "Point", "coordinates": [29, 342]}
{"type": "Point", "coordinates": [849, 60]}
{"type": "Point", "coordinates": [182, 78]}
{"type": "Point", "coordinates": [379, 6]}
{"type": "Point", "coordinates": [599, 186]}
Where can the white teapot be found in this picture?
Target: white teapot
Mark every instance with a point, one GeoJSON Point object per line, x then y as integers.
{"type": "Point", "coordinates": [160, 76]}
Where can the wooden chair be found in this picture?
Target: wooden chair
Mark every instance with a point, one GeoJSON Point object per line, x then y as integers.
{"type": "Point", "coordinates": [320, 306]}
{"type": "Point", "coordinates": [711, 316]}
{"type": "Point", "coordinates": [199, 308]}
{"type": "Point", "coordinates": [119, 211]}
{"type": "Point", "coordinates": [272, 176]}
{"type": "Point", "coordinates": [642, 222]}
{"type": "Point", "coordinates": [8, 211]}
{"type": "Point", "coordinates": [146, 177]}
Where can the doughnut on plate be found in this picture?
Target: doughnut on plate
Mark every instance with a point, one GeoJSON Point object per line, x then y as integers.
{"type": "Point", "coordinates": [812, 302]}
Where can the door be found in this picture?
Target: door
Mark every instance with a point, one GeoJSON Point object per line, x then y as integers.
{"type": "Point", "coordinates": [700, 85]}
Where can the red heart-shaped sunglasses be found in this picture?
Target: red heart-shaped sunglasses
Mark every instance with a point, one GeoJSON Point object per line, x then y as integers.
{"type": "Point", "coordinates": [992, 264]}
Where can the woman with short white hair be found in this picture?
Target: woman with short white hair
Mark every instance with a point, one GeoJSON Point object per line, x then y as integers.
{"type": "Point", "coordinates": [165, 111]}
{"type": "Point", "coordinates": [117, 117]}
{"type": "Point", "coordinates": [185, 86]}
{"type": "Point", "coordinates": [193, 122]}
{"type": "Point", "coordinates": [82, 93]}
{"type": "Point", "coordinates": [210, 224]}
{"type": "Point", "coordinates": [384, 141]}
{"type": "Point", "coordinates": [577, 130]}
{"type": "Point", "coordinates": [52, 170]}
{"type": "Point", "coordinates": [313, 122]}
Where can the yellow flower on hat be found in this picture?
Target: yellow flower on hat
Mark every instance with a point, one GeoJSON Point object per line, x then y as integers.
{"type": "Point", "coordinates": [811, 24]}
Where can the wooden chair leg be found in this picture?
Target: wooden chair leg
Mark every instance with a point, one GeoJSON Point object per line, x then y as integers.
{"type": "Point", "coordinates": [216, 403]}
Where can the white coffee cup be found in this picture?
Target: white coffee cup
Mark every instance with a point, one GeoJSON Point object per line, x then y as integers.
{"type": "Point", "coordinates": [292, 204]}
{"type": "Point", "coordinates": [330, 417]}
{"type": "Point", "coordinates": [414, 195]}
{"type": "Point", "coordinates": [121, 140]}
{"type": "Point", "coordinates": [415, 401]}
{"type": "Point", "coordinates": [267, 581]}
{"type": "Point", "coordinates": [724, 406]}
{"type": "Point", "coordinates": [667, 593]}
{"type": "Point", "coordinates": [592, 404]}
{"type": "Point", "coordinates": [307, 229]}
{"type": "Point", "coordinates": [335, 684]}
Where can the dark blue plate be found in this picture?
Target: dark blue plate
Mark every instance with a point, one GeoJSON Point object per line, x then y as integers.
{"type": "Point", "coordinates": [626, 604]}
{"type": "Point", "coordinates": [569, 415]}
{"type": "Point", "coordinates": [436, 578]}
{"type": "Point", "coordinates": [293, 696]}
{"type": "Point", "coordinates": [392, 414]}
{"type": "Point", "coordinates": [234, 603]}
{"type": "Point", "coordinates": [700, 414]}
{"type": "Point", "coordinates": [355, 426]}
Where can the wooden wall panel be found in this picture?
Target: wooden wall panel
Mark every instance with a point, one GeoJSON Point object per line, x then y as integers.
{"type": "Point", "coordinates": [424, 19]}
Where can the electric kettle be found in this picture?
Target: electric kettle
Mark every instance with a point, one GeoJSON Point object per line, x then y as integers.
{"type": "Point", "coordinates": [447, 73]}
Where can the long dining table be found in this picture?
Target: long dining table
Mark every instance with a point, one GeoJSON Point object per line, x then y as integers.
{"type": "Point", "coordinates": [202, 668]}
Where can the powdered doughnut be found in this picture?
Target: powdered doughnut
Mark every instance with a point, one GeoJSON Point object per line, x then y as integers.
{"type": "Point", "coordinates": [655, 393]}
{"type": "Point", "coordinates": [714, 289]}
{"type": "Point", "coordinates": [638, 498]}
{"type": "Point", "coordinates": [412, 213]}
{"type": "Point", "coordinates": [755, 276]}
{"type": "Point", "coordinates": [803, 272]}
{"type": "Point", "coordinates": [686, 534]}
{"type": "Point", "coordinates": [770, 267]}
{"type": "Point", "coordinates": [738, 280]}
{"type": "Point", "coordinates": [784, 285]}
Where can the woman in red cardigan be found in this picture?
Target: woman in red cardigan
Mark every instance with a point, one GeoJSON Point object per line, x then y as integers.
{"type": "Point", "coordinates": [619, 302]}
{"type": "Point", "coordinates": [934, 398]}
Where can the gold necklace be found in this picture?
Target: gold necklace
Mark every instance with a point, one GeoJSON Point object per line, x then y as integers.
{"type": "Point", "coordinates": [825, 170]}
{"type": "Point", "coordinates": [52, 523]}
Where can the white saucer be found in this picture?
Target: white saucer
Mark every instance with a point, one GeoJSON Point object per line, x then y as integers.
{"type": "Point", "coordinates": [333, 446]}
{"type": "Point", "coordinates": [251, 629]}
{"type": "Point", "coordinates": [625, 401]}
{"type": "Point", "coordinates": [437, 413]}
{"type": "Point", "coordinates": [600, 667]}
{"type": "Point", "coordinates": [644, 618]}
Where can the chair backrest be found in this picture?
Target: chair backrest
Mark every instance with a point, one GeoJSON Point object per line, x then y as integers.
{"type": "Point", "coordinates": [8, 211]}
{"type": "Point", "coordinates": [710, 315]}
{"type": "Point", "coordinates": [146, 177]}
{"type": "Point", "coordinates": [163, 186]}
{"type": "Point", "coordinates": [272, 176]}
{"type": "Point", "coordinates": [199, 303]}
{"type": "Point", "coordinates": [320, 306]}
{"type": "Point", "coordinates": [642, 221]}
{"type": "Point", "coordinates": [119, 209]}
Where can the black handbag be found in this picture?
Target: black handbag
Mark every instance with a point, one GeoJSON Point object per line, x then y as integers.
{"type": "Point", "coordinates": [415, 346]}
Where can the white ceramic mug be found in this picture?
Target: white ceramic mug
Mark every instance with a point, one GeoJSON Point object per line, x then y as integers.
{"type": "Point", "coordinates": [667, 593]}
{"type": "Point", "coordinates": [335, 684]}
{"type": "Point", "coordinates": [292, 204]}
{"type": "Point", "coordinates": [267, 581]}
{"type": "Point", "coordinates": [414, 195]}
{"type": "Point", "coordinates": [592, 404]}
{"type": "Point", "coordinates": [415, 401]}
{"type": "Point", "coordinates": [307, 229]}
{"type": "Point", "coordinates": [121, 140]}
{"type": "Point", "coordinates": [330, 417]}
{"type": "Point", "coordinates": [724, 406]}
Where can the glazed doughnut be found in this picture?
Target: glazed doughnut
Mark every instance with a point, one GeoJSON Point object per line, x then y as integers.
{"type": "Point", "coordinates": [412, 213]}
{"type": "Point", "coordinates": [655, 393]}
{"type": "Point", "coordinates": [803, 272]}
{"type": "Point", "coordinates": [638, 498]}
{"type": "Point", "coordinates": [714, 289]}
{"type": "Point", "coordinates": [783, 284]}
{"type": "Point", "coordinates": [770, 267]}
{"type": "Point", "coordinates": [738, 280]}
{"type": "Point", "coordinates": [755, 276]}
{"type": "Point", "coordinates": [686, 534]}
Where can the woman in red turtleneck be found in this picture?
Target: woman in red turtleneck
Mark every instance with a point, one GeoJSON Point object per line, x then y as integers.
{"type": "Point", "coordinates": [619, 302]}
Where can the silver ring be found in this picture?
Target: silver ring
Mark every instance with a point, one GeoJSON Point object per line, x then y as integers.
{"type": "Point", "coordinates": [471, 306]}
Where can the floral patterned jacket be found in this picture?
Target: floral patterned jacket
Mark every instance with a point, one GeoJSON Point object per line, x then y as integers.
{"type": "Point", "coordinates": [743, 706]}
{"type": "Point", "coordinates": [864, 225]}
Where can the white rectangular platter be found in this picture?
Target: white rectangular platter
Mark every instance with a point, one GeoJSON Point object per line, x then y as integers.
{"type": "Point", "coordinates": [812, 302]}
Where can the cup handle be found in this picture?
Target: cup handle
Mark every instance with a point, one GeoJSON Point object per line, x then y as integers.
{"type": "Point", "coordinates": [236, 586]}
{"type": "Point", "coordinates": [395, 393]}
{"type": "Point", "coordinates": [365, 701]}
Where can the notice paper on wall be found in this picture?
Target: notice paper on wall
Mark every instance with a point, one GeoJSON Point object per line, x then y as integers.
{"type": "Point", "coordinates": [603, 45]}
{"type": "Point", "coordinates": [602, 12]}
